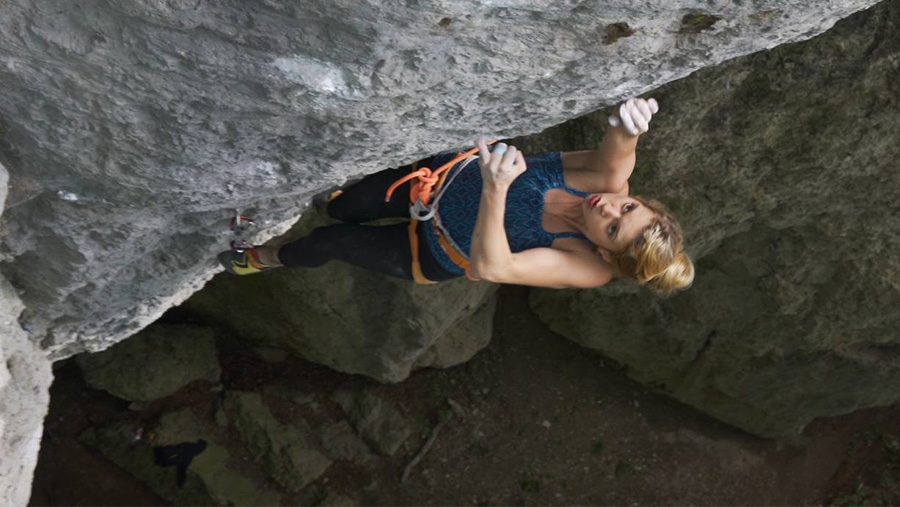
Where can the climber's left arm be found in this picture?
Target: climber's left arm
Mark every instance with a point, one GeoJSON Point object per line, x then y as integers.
{"type": "Point", "coordinates": [609, 167]}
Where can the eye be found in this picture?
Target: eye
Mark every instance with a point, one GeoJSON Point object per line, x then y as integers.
{"type": "Point", "coordinates": [628, 207]}
{"type": "Point", "coordinates": [612, 229]}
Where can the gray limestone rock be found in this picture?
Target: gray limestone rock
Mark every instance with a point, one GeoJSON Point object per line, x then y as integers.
{"type": "Point", "coordinates": [153, 364]}
{"type": "Point", "coordinates": [353, 320]}
{"type": "Point", "coordinates": [134, 129]}
{"type": "Point", "coordinates": [25, 378]}
{"type": "Point", "coordinates": [462, 341]}
{"type": "Point", "coordinates": [285, 451]}
{"type": "Point", "coordinates": [375, 420]}
{"type": "Point", "coordinates": [783, 170]}
{"type": "Point", "coordinates": [4, 187]}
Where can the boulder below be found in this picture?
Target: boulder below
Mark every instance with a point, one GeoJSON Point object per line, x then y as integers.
{"type": "Point", "coordinates": [153, 364]}
{"type": "Point", "coordinates": [209, 478]}
{"type": "Point", "coordinates": [377, 422]}
{"type": "Point", "coordinates": [784, 173]}
{"type": "Point", "coordinates": [285, 451]}
{"type": "Point", "coordinates": [350, 319]}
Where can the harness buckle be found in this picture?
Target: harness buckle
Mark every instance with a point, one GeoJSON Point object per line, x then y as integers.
{"type": "Point", "coordinates": [421, 211]}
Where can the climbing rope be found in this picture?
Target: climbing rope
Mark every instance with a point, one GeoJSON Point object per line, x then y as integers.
{"type": "Point", "coordinates": [420, 193]}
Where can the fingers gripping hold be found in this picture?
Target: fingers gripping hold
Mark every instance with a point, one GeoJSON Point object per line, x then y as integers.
{"type": "Point", "coordinates": [502, 156]}
{"type": "Point", "coordinates": [634, 115]}
{"type": "Point", "coordinates": [501, 165]}
{"type": "Point", "coordinates": [641, 115]}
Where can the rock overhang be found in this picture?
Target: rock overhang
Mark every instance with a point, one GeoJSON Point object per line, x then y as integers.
{"type": "Point", "coordinates": [135, 131]}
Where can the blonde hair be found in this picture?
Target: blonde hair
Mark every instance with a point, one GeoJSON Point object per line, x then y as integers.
{"type": "Point", "coordinates": [656, 258]}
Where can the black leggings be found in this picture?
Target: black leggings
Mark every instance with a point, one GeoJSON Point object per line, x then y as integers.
{"type": "Point", "coordinates": [383, 248]}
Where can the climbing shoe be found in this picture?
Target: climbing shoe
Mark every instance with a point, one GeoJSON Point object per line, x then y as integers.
{"type": "Point", "coordinates": [242, 263]}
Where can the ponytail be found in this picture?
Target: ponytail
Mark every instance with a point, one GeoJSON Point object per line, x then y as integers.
{"type": "Point", "coordinates": [656, 258]}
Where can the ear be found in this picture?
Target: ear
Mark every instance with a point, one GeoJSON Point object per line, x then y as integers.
{"type": "Point", "coordinates": [606, 254]}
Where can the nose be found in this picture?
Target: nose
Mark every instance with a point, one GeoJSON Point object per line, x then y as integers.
{"type": "Point", "coordinates": [608, 209]}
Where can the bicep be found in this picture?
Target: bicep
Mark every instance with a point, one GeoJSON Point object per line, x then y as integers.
{"type": "Point", "coordinates": [558, 269]}
{"type": "Point", "coordinates": [583, 172]}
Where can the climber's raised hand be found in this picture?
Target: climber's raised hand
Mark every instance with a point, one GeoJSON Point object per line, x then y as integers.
{"type": "Point", "coordinates": [634, 115]}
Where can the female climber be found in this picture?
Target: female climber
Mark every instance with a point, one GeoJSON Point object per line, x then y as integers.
{"type": "Point", "coordinates": [560, 220]}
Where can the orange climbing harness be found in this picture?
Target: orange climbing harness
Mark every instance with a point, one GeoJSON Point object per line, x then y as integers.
{"type": "Point", "coordinates": [431, 184]}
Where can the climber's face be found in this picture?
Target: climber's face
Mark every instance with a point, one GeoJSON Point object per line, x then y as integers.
{"type": "Point", "coordinates": [614, 221]}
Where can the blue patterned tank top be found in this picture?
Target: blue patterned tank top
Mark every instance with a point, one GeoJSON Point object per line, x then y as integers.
{"type": "Point", "coordinates": [458, 207]}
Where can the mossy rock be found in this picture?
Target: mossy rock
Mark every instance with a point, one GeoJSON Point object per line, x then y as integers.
{"type": "Point", "coordinates": [154, 363]}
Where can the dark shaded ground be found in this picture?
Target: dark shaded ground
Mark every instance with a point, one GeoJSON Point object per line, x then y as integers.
{"type": "Point", "coordinates": [548, 423]}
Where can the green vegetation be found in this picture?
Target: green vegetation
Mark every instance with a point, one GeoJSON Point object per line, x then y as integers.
{"type": "Point", "coordinates": [530, 485]}
{"type": "Point", "coordinates": [697, 22]}
{"type": "Point", "coordinates": [625, 468]}
{"type": "Point", "coordinates": [861, 496]}
{"type": "Point", "coordinates": [616, 31]}
{"type": "Point", "coordinates": [883, 490]}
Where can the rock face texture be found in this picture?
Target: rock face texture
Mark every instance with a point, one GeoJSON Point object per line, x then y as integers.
{"type": "Point", "coordinates": [135, 129]}
{"type": "Point", "coordinates": [783, 168]}
{"type": "Point", "coordinates": [379, 424]}
{"type": "Point", "coordinates": [25, 378]}
{"type": "Point", "coordinates": [285, 451]}
{"type": "Point", "coordinates": [132, 130]}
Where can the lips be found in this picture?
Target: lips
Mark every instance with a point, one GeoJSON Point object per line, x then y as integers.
{"type": "Point", "coordinates": [594, 201]}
